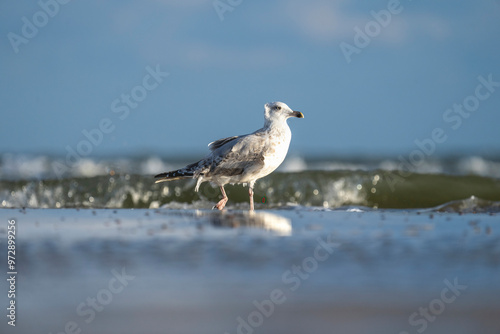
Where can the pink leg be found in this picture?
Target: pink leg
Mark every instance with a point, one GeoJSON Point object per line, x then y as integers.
{"type": "Point", "coordinates": [222, 203]}
{"type": "Point", "coordinates": [250, 194]}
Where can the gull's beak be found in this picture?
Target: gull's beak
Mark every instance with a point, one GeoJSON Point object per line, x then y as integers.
{"type": "Point", "coordinates": [297, 114]}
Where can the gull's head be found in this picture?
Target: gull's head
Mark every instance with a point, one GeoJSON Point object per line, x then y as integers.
{"type": "Point", "coordinates": [280, 111]}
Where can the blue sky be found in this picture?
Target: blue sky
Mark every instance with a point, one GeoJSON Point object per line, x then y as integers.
{"type": "Point", "coordinates": [396, 89]}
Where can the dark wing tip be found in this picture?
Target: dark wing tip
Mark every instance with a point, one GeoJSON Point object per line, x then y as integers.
{"type": "Point", "coordinates": [221, 142]}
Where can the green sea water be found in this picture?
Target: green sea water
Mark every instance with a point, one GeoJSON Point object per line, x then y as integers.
{"type": "Point", "coordinates": [466, 184]}
{"type": "Point", "coordinates": [326, 189]}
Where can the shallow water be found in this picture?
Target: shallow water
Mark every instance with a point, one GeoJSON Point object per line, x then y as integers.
{"type": "Point", "coordinates": [293, 270]}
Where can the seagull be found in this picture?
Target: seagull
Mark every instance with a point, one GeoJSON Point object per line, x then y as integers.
{"type": "Point", "coordinates": [242, 159]}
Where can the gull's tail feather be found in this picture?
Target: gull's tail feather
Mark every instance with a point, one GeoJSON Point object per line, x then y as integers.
{"type": "Point", "coordinates": [190, 171]}
{"type": "Point", "coordinates": [174, 175]}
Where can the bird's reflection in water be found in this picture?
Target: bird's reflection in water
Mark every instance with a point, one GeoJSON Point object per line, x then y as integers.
{"type": "Point", "coordinates": [262, 220]}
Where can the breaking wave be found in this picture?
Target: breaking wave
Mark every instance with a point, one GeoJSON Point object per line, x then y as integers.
{"type": "Point", "coordinates": [326, 189]}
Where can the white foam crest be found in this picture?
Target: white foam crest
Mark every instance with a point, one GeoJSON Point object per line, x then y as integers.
{"type": "Point", "coordinates": [24, 166]}
{"type": "Point", "coordinates": [293, 164]}
{"type": "Point", "coordinates": [89, 168]}
{"type": "Point", "coordinates": [154, 165]}
{"type": "Point", "coordinates": [339, 165]}
{"type": "Point", "coordinates": [479, 166]}
{"type": "Point", "coordinates": [389, 165]}
{"type": "Point", "coordinates": [423, 167]}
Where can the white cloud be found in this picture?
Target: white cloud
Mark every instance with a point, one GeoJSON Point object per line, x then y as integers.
{"type": "Point", "coordinates": [324, 22]}
{"type": "Point", "coordinates": [320, 21]}
{"type": "Point", "coordinates": [155, 30]}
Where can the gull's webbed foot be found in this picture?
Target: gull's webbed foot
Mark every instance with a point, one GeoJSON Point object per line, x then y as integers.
{"type": "Point", "coordinates": [222, 203]}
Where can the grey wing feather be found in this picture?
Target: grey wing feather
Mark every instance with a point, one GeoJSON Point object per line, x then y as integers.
{"type": "Point", "coordinates": [221, 142]}
{"type": "Point", "coordinates": [242, 154]}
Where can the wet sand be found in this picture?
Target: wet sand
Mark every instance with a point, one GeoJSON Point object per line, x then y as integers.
{"type": "Point", "coordinates": [295, 270]}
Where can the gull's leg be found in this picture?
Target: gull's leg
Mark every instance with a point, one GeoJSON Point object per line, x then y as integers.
{"type": "Point", "coordinates": [222, 203]}
{"type": "Point", "coordinates": [250, 194]}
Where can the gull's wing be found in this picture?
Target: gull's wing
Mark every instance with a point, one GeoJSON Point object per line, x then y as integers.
{"type": "Point", "coordinates": [221, 142]}
{"type": "Point", "coordinates": [230, 156]}
{"type": "Point", "coordinates": [241, 154]}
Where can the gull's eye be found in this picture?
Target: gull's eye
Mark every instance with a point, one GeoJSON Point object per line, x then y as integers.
{"type": "Point", "coordinates": [278, 107]}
